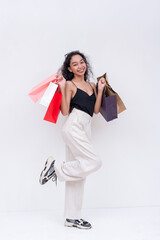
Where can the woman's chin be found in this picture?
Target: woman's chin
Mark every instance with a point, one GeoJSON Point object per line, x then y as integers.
{"type": "Point", "coordinates": [80, 73]}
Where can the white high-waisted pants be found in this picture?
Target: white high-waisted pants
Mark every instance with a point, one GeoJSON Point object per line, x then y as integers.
{"type": "Point", "coordinates": [81, 160]}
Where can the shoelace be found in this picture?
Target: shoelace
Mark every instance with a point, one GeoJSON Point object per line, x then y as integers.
{"type": "Point", "coordinates": [54, 178]}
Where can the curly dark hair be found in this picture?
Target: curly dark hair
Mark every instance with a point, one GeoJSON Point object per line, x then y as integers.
{"type": "Point", "coordinates": [69, 75]}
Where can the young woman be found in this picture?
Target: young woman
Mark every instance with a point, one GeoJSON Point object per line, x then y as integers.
{"type": "Point", "coordinates": [79, 100]}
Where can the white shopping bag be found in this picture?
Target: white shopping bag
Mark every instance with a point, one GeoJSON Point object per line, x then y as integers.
{"type": "Point", "coordinates": [48, 95]}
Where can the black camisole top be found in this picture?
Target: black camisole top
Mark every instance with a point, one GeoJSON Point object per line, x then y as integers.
{"type": "Point", "coordinates": [83, 101]}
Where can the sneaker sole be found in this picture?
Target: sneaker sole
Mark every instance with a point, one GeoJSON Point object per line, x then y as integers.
{"type": "Point", "coordinates": [45, 170]}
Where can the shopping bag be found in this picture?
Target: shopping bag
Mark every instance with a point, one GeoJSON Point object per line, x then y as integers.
{"type": "Point", "coordinates": [109, 107]}
{"type": "Point", "coordinates": [48, 95]}
{"type": "Point", "coordinates": [54, 108]}
{"type": "Point", "coordinates": [37, 92]}
{"type": "Point", "coordinates": [111, 104]}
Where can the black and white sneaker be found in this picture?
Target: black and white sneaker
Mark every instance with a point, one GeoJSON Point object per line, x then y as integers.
{"type": "Point", "coordinates": [48, 172]}
{"type": "Point", "coordinates": [78, 223]}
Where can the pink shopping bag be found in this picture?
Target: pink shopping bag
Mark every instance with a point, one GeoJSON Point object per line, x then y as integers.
{"type": "Point", "coordinates": [37, 92]}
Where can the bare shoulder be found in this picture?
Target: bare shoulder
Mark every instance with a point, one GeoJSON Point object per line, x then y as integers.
{"type": "Point", "coordinates": [94, 87]}
{"type": "Point", "coordinates": [69, 85]}
{"type": "Point", "coordinates": [93, 84]}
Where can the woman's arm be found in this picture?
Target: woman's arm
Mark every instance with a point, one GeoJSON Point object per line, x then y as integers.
{"type": "Point", "coordinates": [66, 91]}
{"type": "Point", "coordinates": [98, 102]}
{"type": "Point", "coordinates": [101, 84]}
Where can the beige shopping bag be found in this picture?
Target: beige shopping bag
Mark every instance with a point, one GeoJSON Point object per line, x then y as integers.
{"type": "Point", "coordinates": [109, 92]}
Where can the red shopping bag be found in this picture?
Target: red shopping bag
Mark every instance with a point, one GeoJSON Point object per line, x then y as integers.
{"type": "Point", "coordinates": [54, 108]}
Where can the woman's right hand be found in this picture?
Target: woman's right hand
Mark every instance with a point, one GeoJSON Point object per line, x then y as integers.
{"type": "Point", "coordinates": [61, 81]}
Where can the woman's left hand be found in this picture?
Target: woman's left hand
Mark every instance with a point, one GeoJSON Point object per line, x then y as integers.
{"type": "Point", "coordinates": [101, 83]}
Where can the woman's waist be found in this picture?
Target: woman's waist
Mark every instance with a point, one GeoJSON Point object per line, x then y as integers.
{"type": "Point", "coordinates": [81, 114]}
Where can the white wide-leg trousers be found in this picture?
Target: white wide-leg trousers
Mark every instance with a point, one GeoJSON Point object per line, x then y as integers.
{"type": "Point", "coordinates": [81, 160]}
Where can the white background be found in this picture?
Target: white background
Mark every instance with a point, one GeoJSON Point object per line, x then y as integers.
{"type": "Point", "coordinates": [120, 38]}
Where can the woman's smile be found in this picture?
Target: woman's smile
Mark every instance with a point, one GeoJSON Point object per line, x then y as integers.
{"type": "Point", "coordinates": [81, 71]}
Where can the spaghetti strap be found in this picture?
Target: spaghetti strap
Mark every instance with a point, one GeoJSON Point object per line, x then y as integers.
{"type": "Point", "coordinates": [80, 88]}
{"type": "Point", "coordinates": [91, 86]}
{"type": "Point", "coordinates": [74, 83]}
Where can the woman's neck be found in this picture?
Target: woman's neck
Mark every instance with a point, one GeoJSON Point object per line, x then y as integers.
{"type": "Point", "coordinates": [78, 78]}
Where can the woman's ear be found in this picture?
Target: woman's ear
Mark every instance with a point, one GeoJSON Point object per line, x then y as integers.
{"type": "Point", "coordinates": [69, 69]}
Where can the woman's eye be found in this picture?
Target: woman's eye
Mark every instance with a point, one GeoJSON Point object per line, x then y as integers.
{"type": "Point", "coordinates": [76, 64]}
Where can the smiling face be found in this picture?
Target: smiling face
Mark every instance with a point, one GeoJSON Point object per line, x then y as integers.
{"type": "Point", "coordinates": [77, 65]}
